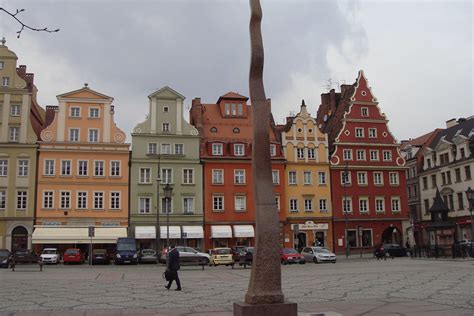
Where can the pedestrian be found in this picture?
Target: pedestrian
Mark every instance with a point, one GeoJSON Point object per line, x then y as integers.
{"type": "Point", "coordinates": [172, 268]}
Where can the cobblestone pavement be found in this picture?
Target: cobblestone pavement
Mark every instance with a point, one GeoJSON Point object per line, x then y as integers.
{"type": "Point", "coordinates": [401, 286]}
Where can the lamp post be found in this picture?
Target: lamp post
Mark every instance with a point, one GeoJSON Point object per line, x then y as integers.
{"type": "Point", "coordinates": [345, 177]}
{"type": "Point", "coordinates": [168, 191]}
{"type": "Point", "coordinates": [470, 199]}
{"type": "Point", "coordinates": [158, 181]}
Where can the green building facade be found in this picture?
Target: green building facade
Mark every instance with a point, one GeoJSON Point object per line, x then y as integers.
{"type": "Point", "coordinates": [167, 142]}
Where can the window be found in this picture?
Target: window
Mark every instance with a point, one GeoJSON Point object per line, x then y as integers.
{"type": "Point", "coordinates": [98, 200]}
{"type": "Point", "coordinates": [14, 134]}
{"type": "Point", "coordinates": [114, 200]}
{"type": "Point", "coordinates": [372, 133]}
{"type": "Point", "coordinates": [443, 179]}
{"type": "Point", "coordinates": [93, 135]}
{"type": "Point", "coordinates": [145, 175]}
{"type": "Point", "coordinates": [93, 112]}
{"type": "Point", "coordinates": [428, 163]}
{"type": "Point", "coordinates": [394, 178]}
{"type": "Point", "coordinates": [3, 199]}
{"type": "Point", "coordinates": [374, 155]}
{"type": "Point", "coordinates": [74, 135]}
{"type": "Point", "coordinates": [427, 206]}
{"type": "Point", "coordinates": [364, 205]}
{"type": "Point", "coordinates": [367, 238]}
{"type": "Point", "coordinates": [3, 167]}
{"type": "Point", "coordinates": [462, 153]}
{"type": "Point", "coordinates": [166, 206]}
{"type": "Point", "coordinates": [238, 150]}
{"type": "Point", "coordinates": [188, 205]}
{"type": "Point", "coordinates": [166, 149]}
{"type": "Point", "coordinates": [166, 109]}
{"type": "Point", "coordinates": [15, 110]}
{"type": "Point", "coordinates": [467, 171]}
{"type": "Point", "coordinates": [240, 203]}
{"type": "Point", "coordinates": [99, 168]}
{"type": "Point", "coordinates": [364, 111]}
{"type": "Point", "coordinates": [425, 183]}
{"type": "Point", "coordinates": [49, 167]}
{"type": "Point", "coordinates": [461, 201]}
{"type": "Point", "coordinates": [217, 176]}
{"type": "Point", "coordinates": [178, 149]}
{"type": "Point", "coordinates": [275, 177]}
{"type": "Point", "coordinates": [81, 200]}
{"type": "Point", "coordinates": [323, 205]}
{"type": "Point", "coordinates": [239, 176]}
{"type": "Point", "coordinates": [308, 205]}
{"type": "Point", "coordinates": [292, 177]}
{"type": "Point", "coordinates": [2, 65]}
{"type": "Point", "coordinates": [395, 205]}
{"type": "Point", "coordinates": [321, 177]}
{"type": "Point", "coordinates": [347, 205]}
{"type": "Point", "coordinates": [448, 177]}
{"type": "Point", "coordinates": [21, 200]}
{"type": "Point", "coordinates": [378, 178]}
{"type": "Point", "coordinates": [82, 168]}
{"type": "Point", "coordinates": [152, 148]}
{"type": "Point", "coordinates": [227, 109]}
{"type": "Point", "coordinates": [359, 132]}
{"type": "Point", "coordinates": [272, 150]}
{"type": "Point", "coordinates": [48, 198]}
{"type": "Point", "coordinates": [444, 159]}
{"type": "Point", "coordinates": [165, 127]}
{"type": "Point", "coordinates": [115, 168]}
{"type": "Point", "coordinates": [293, 205]}
{"type": "Point", "coordinates": [300, 153]}
{"type": "Point", "coordinates": [277, 202]}
{"type": "Point", "coordinates": [360, 154]}
{"type": "Point", "coordinates": [217, 203]}
{"type": "Point", "coordinates": [362, 178]}
{"type": "Point", "coordinates": [65, 199]}
{"type": "Point", "coordinates": [457, 173]}
{"type": "Point", "coordinates": [23, 167]}
{"type": "Point", "coordinates": [75, 112]}
{"type": "Point", "coordinates": [347, 154]}
{"type": "Point", "coordinates": [379, 205]}
{"type": "Point", "coordinates": [217, 149]}
{"type": "Point", "coordinates": [144, 205]}
{"type": "Point", "coordinates": [311, 153]}
{"type": "Point", "coordinates": [234, 109]}
{"type": "Point", "coordinates": [188, 176]}
{"type": "Point", "coordinates": [240, 110]}
{"type": "Point", "coordinates": [166, 175]}
{"type": "Point", "coordinates": [387, 155]}
{"type": "Point", "coordinates": [5, 81]}
{"type": "Point", "coordinates": [307, 177]}
{"type": "Point", "coordinates": [346, 177]}
{"type": "Point", "coordinates": [352, 238]}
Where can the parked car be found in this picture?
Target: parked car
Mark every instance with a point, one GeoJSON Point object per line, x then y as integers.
{"type": "Point", "coordinates": [126, 251]}
{"type": "Point", "coordinates": [318, 255]}
{"type": "Point", "coordinates": [73, 255]}
{"type": "Point", "coordinates": [395, 250]}
{"type": "Point", "coordinates": [246, 256]}
{"type": "Point", "coordinates": [25, 256]}
{"type": "Point", "coordinates": [188, 256]}
{"type": "Point", "coordinates": [236, 252]}
{"type": "Point", "coordinates": [147, 256]}
{"type": "Point", "coordinates": [290, 255]}
{"type": "Point", "coordinates": [465, 247]}
{"type": "Point", "coordinates": [100, 256]}
{"type": "Point", "coordinates": [222, 256]}
{"type": "Point", "coordinates": [50, 255]}
{"type": "Point", "coordinates": [5, 258]}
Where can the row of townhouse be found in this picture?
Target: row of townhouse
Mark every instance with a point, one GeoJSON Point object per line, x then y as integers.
{"type": "Point", "coordinates": [339, 178]}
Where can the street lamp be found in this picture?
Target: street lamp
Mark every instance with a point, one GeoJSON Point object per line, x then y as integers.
{"type": "Point", "coordinates": [470, 199]}
{"type": "Point", "coordinates": [158, 181]}
{"type": "Point", "coordinates": [345, 208]}
{"type": "Point", "coordinates": [168, 191]}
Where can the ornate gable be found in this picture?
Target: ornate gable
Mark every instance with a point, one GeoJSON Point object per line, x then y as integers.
{"type": "Point", "coordinates": [362, 91]}
{"type": "Point", "coordinates": [85, 93]}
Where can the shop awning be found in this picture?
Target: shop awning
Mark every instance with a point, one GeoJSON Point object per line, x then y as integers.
{"type": "Point", "coordinates": [145, 232]}
{"type": "Point", "coordinates": [221, 231]}
{"type": "Point", "coordinates": [190, 232]}
{"type": "Point", "coordinates": [243, 231]}
{"type": "Point", "coordinates": [77, 235]}
{"type": "Point", "coordinates": [175, 232]}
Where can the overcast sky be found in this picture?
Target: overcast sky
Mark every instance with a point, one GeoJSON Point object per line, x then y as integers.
{"type": "Point", "coordinates": [417, 55]}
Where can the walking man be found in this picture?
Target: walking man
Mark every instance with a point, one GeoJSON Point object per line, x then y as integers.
{"type": "Point", "coordinates": [172, 268]}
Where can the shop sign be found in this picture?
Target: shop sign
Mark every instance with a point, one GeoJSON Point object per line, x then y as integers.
{"type": "Point", "coordinates": [310, 225]}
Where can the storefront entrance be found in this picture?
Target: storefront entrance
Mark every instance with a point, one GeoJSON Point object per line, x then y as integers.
{"type": "Point", "coordinates": [19, 238]}
{"type": "Point", "coordinates": [392, 235]}
{"type": "Point", "coordinates": [300, 241]}
{"type": "Point", "coordinates": [319, 239]}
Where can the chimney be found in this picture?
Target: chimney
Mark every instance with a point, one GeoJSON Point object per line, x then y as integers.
{"type": "Point", "coordinates": [332, 100]}
{"type": "Point", "coordinates": [195, 114]}
{"type": "Point", "coordinates": [49, 116]}
{"type": "Point", "coordinates": [450, 123]}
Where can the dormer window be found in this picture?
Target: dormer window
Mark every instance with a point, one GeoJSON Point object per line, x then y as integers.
{"type": "Point", "coordinates": [364, 111]}
{"type": "Point", "coordinates": [240, 110]}
{"type": "Point", "coordinates": [239, 150]}
{"type": "Point", "coordinates": [165, 127]}
{"type": "Point", "coordinates": [234, 109]}
{"type": "Point", "coordinates": [15, 110]}
{"type": "Point", "coordinates": [272, 150]}
{"type": "Point", "coordinates": [217, 149]}
{"type": "Point", "coordinates": [94, 112]}
{"type": "Point", "coordinates": [75, 111]}
{"type": "Point", "coordinates": [227, 109]}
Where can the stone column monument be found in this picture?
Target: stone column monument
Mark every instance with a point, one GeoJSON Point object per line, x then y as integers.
{"type": "Point", "coordinates": [264, 295]}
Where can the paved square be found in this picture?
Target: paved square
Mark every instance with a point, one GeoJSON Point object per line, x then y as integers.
{"type": "Point", "coordinates": [401, 286]}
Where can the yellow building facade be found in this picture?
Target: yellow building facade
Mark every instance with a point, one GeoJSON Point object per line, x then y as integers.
{"type": "Point", "coordinates": [308, 187]}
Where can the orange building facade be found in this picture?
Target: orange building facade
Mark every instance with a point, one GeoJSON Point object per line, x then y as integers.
{"type": "Point", "coordinates": [83, 173]}
{"type": "Point", "coordinates": [226, 151]}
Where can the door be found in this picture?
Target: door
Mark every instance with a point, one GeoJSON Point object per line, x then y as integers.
{"type": "Point", "coordinates": [319, 239]}
{"type": "Point", "coordinates": [19, 238]}
{"type": "Point", "coordinates": [300, 241]}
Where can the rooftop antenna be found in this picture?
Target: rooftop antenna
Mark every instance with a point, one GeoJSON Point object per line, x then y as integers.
{"type": "Point", "coordinates": [328, 86]}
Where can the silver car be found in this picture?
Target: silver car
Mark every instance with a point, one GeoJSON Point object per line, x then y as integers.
{"type": "Point", "coordinates": [318, 255]}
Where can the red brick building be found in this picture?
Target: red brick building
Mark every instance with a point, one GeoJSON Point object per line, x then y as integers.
{"type": "Point", "coordinates": [368, 177]}
{"type": "Point", "coordinates": [226, 152]}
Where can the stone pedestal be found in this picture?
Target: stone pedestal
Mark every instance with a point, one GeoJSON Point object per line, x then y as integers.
{"type": "Point", "coordinates": [277, 309]}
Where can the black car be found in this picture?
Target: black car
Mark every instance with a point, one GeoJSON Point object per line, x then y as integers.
{"type": "Point", "coordinates": [395, 250]}
{"type": "Point", "coordinates": [5, 258]}
{"type": "Point", "coordinates": [25, 256]}
{"type": "Point", "coordinates": [100, 256]}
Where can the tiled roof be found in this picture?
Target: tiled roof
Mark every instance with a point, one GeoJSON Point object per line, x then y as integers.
{"type": "Point", "coordinates": [419, 141]}
{"type": "Point", "coordinates": [465, 127]}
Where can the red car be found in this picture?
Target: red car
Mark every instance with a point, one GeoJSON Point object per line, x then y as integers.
{"type": "Point", "coordinates": [290, 255]}
{"type": "Point", "coordinates": [73, 255]}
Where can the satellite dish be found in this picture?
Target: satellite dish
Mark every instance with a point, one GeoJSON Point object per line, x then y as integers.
{"type": "Point", "coordinates": [325, 118]}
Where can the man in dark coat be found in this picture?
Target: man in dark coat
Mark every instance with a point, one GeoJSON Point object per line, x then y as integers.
{"type": "Point", "coordinates": [172, 267]}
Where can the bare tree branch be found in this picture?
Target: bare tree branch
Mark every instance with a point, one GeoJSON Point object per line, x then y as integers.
{"type": "Point", "coordinates": [23, 25]}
